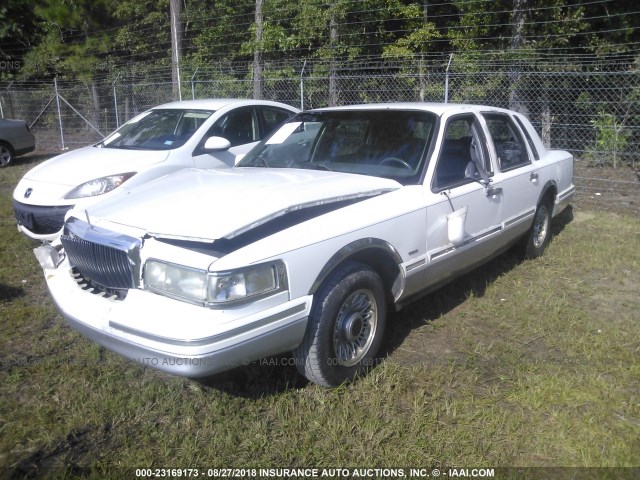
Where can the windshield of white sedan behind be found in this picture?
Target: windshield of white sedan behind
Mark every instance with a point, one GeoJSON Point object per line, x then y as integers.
{"type": "Point", "coordinates": [383, 143]}
{"type": "Point", "coordinates": [157, 130]}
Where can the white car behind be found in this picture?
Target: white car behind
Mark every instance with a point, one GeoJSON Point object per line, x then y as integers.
{"type": "Point", "coordinates": [196, 133]}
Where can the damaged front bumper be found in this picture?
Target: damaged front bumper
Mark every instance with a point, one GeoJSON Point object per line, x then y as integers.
{"type": "Point", "coordinates": [174, 336]}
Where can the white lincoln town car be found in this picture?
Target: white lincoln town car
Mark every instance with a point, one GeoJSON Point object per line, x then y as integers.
{"type": "Point", "coordinates": [339, 216]}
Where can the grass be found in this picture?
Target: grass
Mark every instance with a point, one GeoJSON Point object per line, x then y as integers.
{"type": "Point", "coordinates": [518, 364]}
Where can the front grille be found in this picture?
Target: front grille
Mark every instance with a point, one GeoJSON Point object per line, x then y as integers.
{"type": "Point", "coordinates": [90, 286]}
{"type": "Point", "coordinates": [40, 220]}
{"type": "Point", "coordinates": [104, 265]}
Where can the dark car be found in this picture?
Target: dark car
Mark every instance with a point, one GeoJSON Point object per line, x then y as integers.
{"type": "Point", "coordinates": [15, 139]}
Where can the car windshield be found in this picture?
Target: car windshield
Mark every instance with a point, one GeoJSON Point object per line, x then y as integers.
{"type": "Point", "coordinates": [382, 143]}
{"type": "Point", "coordinates": [157, 130]}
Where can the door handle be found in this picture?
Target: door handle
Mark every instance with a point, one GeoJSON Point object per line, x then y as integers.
{"type": "Point", "coordinates": [493, 191]}
{"type": "Point", "coordinates": [533, 177]}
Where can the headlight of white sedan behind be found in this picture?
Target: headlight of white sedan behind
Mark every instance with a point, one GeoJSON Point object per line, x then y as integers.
{"type": "Point", "coordinates": [214, 288]}
{"type": "Point", "coordinates": [99, 186]}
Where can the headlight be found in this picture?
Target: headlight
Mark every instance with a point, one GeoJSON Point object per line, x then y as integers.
{"type": "Point", "coordinates": [175, 280]}
{"type": "Point", "coordinates": [214, 288]}
{"type": "Point", "coordinates": [99, 186]}
{"type": "Point", "coordinates": [249, 282]}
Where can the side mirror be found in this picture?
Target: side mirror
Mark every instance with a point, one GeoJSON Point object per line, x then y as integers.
{"type": "Point", "coordinates": [471, 172]}
{"type": "Point", "coordinates": [216, 144]}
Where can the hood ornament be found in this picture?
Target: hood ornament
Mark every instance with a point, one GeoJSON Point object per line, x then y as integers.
{"type": "Point", "coordinates": [28, 192]}
{"type": "Point", "coordinates": [86, 212]}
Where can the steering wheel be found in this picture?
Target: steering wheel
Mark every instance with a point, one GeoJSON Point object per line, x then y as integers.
{"type": "Point", "coordinates": [397, 160]}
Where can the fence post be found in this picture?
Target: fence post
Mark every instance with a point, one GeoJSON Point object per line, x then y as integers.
{"type": "Point", "coordinates": [446, 81]}
{"type": "Point", "coordinates": [115, 101]}
{"type": "Point", "coordinates": [10, 102]}
{"type": "Point", "coordinates": [302, 85]}
{"type": "Point", "coordinates": [1, 110]}
{"type": "Point", "coordinates": [55, 86]}
{"type": "Point", "coordinates": [193, 88]}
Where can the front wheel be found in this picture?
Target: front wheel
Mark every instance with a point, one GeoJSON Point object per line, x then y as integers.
{"type": "Point", "coordinates": [539, 235]}
{"type": "Point", "coordinates": [345, 327]}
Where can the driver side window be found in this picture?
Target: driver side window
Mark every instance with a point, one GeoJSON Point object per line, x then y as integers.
{"type": "Point", "coordinates": [462, 144]}
{"type": "Point", "coordinates": [239, 127]}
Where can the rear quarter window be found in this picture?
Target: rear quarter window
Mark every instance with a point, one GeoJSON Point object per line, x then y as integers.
{"type": "Point", "coordinates": [532, 145]}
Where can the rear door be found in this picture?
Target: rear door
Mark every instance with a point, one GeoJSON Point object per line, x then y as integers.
{"type": "Point", "coordinates": [517, 177]}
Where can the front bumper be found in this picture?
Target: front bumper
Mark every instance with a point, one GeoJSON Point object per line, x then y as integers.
{"type": "Point", "coordinates": [175, 336]}
{"type": "Point", "coordinates": [40, 222]}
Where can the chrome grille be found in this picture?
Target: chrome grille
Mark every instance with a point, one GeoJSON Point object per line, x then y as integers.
{"type": "Point", "coordinates": [92, 287]}
{"type": "Point", "coordinates": [105, 258]}
{"type": "Point", "coordinates": [104, 265]}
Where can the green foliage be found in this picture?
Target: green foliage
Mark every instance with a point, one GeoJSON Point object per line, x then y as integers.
{"type": "Point", "coordinates": [216, 34]}
{"type": "Point", "coordinates": [85, 38]}
{"type": "Point", "coordinates": [73, 41]}
{"type": "Point", "coordinates": [419, 32]}
{"type": "Point", "coordinates": [611, 139]}
{"type": "Point", "coordinates": [144, 40]}
{"type": "Point", "coordinates": [18, 28]}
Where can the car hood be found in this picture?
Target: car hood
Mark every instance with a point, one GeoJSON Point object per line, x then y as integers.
{"type": "Point", "coordinates": [208, 205]}
{"type": "Point", "coordinates": [79, 166]}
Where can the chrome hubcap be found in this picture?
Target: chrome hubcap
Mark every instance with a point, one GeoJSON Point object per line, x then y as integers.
{"type": "Point", "coordinates": [540, 226]}
{"type": "Point", "coordinates": [5, 156]}
{"type": "Point", "coordinates": [355, 328]}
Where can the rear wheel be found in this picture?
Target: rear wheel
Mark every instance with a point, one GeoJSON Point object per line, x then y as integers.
{"type": "Point", "coordinates": [345, 328]}
{"type": "Point", "coordinates": [539, 235]}
{"type": "Point", "coordinates": [6, 154]}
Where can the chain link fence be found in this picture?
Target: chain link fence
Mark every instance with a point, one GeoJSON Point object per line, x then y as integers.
{"type": "Point", "coordinates": [592, 110]}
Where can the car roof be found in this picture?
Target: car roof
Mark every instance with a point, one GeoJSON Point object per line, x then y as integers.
{"type": "Point", "coordinates": [218, 103]}
{"type": "Point", "coordinates": [437, 108]}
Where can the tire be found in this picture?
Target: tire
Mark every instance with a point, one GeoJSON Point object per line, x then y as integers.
{"type": "Point", "coordinates": [537, 239]}
{"type": "Point", "coordinates": [6, 154]}
{"type": "Point", "coordinates": [345, 328]}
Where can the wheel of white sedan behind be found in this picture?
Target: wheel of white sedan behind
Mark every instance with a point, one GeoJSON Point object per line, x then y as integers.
{"type": "Point", "coordinates": [6, 154]}
{"type": "Point", "coordinates": [539, 234]}
{"type": "Point", "coordinates": [345, 327]}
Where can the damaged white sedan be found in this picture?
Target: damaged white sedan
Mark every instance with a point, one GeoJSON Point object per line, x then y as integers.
{"type": "Point", "coordinates": [341, 215]}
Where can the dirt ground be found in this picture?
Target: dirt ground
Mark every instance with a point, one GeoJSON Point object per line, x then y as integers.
{"type": "Point", "coordinates": [606, 188]}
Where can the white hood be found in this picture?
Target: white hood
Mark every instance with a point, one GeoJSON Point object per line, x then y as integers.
{"type": "Point", "coordinates": [213, 204]}
{"type": "Point", "coordinates": [79, 166]}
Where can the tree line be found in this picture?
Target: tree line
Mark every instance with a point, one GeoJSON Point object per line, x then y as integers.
{"type": "Point", "coordinates": [89, 39]}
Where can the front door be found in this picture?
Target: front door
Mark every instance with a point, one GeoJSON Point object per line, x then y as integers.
{"type": "Point", "coordinates": [461, 202]}
{"type": "Point", "coordinates": [240, 127]}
